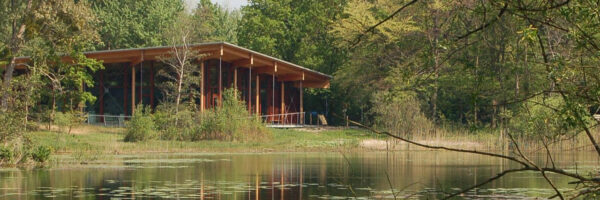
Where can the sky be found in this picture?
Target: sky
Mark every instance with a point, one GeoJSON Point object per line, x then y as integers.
{"type": "Point", "coordinates": [229, 4]}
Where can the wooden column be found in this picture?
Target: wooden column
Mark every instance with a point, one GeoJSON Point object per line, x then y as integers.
{"type": "Point", "coordinates": [282, 101]}
{"type": "Point", "coordinates": [101, 93]}
{"type": "Point", "coordinates": [81, 103]}
{"type": "Point", "coordinates": [202, 96]}
{"type": "Point", "coordinates": [301, 103]}
{"type": "Point", "coordinates": [125, 85]}
{"type": "Point", "coordinates": [235, 77]}
{"type": "Point", "coordinates": [250, 90]}
{"type": "Point", "coordinates": [257, 94]}
{"type": "Point", "coordinates": [220, 80]}
{"type": "Point", "coordinates": [152, 84]}
{"type": "Point", "coordinates": [132, 89]}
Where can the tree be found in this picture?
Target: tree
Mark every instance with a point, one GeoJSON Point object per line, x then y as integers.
{"type": "Point", "coordinates": [180, 60]}
{"type": "Point", "coordinates": [294, 31]}
{"type": "Point", "coordinates": [59, 23]}
{"type": "Point", "coordinates": [214, 23]}
{"type": "Point", "coordinates": [135, 23]}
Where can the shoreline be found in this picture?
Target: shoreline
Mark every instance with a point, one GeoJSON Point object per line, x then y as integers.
{"type": "Point", "coordinates": [92, 140]}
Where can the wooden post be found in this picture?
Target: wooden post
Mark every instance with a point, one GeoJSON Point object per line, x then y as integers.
{"type": "Point", "coordinates": [132, 89]}
{"type": "Point", "coordinates": [282, 101]}
{"type": "Point", "coordinates": [202, 86]}
{"type": "Point", "coordinates": [81, 104]}
{"type": "Point", "coordinates": [257, 94]}
{"type": "Point", "coordinates": [152, 84]}
{"type": "Point", "coordinates": [221, 79]}
{"type": "Point", "coordinates": [250, 90]}
{"type": "Point", "coordinates": [235, 77]}
{"type": "Point", "coordinates": [101, 92]}
{"type": "Point", "coordinates": [301, 118]}
{"type": "Point", "coordinates": [125, 85]}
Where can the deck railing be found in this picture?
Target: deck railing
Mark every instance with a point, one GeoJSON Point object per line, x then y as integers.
{"type": "Point", "coordinates": [291, 119]}
{"type": "Point", "coordinates": [107, 120]}
{"type": "Point", "coordinates": [287, 119]}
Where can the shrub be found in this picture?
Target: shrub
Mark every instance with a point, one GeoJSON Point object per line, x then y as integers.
{"type": "Point", "coordinates": [400, 114]}
{"type": "Point", "coordinates": [231, 122]}
{"type": "Point", "coordinates": [41, 154]}
{"type": "Point", "coordinates": [12, 125]}
{"type": "Point", "coordinates": [67, 120]}
{"type": "Point", "coordinates": [141, 127]}
{"type": "Point", "coordinates": [6, 155]}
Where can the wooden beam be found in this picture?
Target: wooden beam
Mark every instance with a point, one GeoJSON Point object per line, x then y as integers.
{"type": "Point", "coordinates": [137, 60]}
{"type": "Point", "coordinates": [263, 70]}
{"type": "Point", "coordinates": [243, 62]}
{"type": "Point", "coordinates": [236, 53]}
{"type": "Point", "coordinates": [291, 77]}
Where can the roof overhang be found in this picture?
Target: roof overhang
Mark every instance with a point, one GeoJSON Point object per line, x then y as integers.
{"type": "Point", "coordinates": [239, 56]}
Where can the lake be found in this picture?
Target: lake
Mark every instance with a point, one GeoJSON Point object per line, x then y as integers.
{"type": "Point", "coordinates": [325, 175]}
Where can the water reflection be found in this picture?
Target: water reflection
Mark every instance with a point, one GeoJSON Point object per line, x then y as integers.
{"type": "Point", "coordinates": [363, 175]}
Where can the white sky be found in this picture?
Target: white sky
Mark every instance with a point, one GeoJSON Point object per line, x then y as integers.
{"type": "Point", "coordinates": [229, 4]}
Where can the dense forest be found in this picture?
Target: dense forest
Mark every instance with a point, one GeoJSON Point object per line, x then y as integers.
{"type": "Point", "coordinates": [525, 66]}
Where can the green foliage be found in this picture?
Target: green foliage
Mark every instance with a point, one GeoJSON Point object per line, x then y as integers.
{"type": "Point", "coordinates": [22, 151]}
{"type": "Point", "coordinates": [41, 154]}
{"type": "Point", "coordinates": [400, 114]}
{"type": "Point", "coordinates": [546, 117]}
{"type": "Point", "coordinates": [135, 23]}
{"type": "Point", "coordinates": [230, 122]}
{"type": "Point", "coordinates": [67, 120]}
{"type": "Point", "coordinates": [295, 31]}
{"type": "Point", "coordinates": [13, 126]}
{"type": "Point", "coordinates": [212, 23]}
{"type": "Point", "coordinates": [6, 155]}
{"type": "Point", "coordinates": [141, 127]}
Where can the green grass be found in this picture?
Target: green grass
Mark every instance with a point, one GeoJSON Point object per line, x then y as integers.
{"type": "Point", "coordinates": [98, 140]}
{"type": "Point", "coordinates": [93, 143]}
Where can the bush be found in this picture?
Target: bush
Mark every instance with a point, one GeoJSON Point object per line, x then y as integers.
{"type": "Point", "coordinates": [141, 127]}
{"type": "Point", "coordinates": [548, 117]}
{"type": "Point", "coordinates": [66, 120]}
{"type": "Point", "coordinates": [400, 114]}
{"type": "Point", "coordinates": [6, 155]}
{"type": "Point", "coordinates": [12, 125]}
{"type": "Point", "coordinates": [230, 122]}
{"type": "Point", "coordinates": [41, 154]}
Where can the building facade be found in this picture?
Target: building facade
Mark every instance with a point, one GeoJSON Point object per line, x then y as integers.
{"type": "Point", "coordinates": [270, 87]}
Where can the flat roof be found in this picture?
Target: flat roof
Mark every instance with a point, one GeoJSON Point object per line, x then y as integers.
{"type": "Point", "coordinates": [239, 56]}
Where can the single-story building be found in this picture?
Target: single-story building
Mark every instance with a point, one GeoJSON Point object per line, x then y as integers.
{"type": "Point", "coordinates": [270, 87]}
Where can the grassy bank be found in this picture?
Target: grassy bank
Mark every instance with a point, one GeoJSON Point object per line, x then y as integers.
{"type": "Point", "coordinates": [100, 140]}
{"type": "Point", "coordinates": [90, 141]}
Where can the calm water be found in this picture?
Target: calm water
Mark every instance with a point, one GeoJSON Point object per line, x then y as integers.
{"type": "Point", "coordinates": [414, 174]}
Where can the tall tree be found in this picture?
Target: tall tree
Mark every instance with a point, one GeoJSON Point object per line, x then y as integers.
{"type": "Point", "coordinates": [295, 31]}
{"type": "Point", "coordinates": [135, 23]}
{"type": "Point", "coordinates": [214, 23]}
{"type": "Point", "coordinates": [59, 23]}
